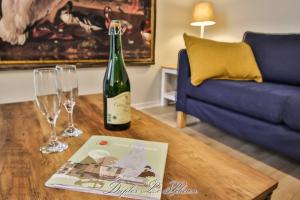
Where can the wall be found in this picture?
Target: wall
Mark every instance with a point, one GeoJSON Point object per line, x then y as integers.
{"type": "Point", "coordinates": [233, 18]}
{"type": "Point", "coordinates": [18, 85]}
{"type": "Point", "coordinates": [172, 21]}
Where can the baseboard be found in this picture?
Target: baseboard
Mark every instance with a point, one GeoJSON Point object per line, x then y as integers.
{"type": "Point", "coordinates": [149, 104]}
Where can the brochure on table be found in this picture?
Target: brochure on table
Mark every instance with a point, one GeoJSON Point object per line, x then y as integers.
{"type": "Point", "coordinates": [115, 166]}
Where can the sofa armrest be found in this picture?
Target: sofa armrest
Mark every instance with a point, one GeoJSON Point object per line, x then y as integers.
{"type": "Point", "coordinates": [183, 80]}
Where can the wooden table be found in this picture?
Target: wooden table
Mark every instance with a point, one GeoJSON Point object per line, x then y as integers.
{"type": "Point", "coordinates": [24, 170]}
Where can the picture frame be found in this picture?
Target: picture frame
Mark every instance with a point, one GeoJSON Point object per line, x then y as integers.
{"type": "Point", "coordinates": [42, 33]}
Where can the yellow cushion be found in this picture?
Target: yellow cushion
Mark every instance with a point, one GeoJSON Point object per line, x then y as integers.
{"type": "Point", "coordinates": [220, 60]}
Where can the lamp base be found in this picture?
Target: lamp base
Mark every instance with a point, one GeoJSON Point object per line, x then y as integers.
{"type": "Point", "coordinates": [202, 31]}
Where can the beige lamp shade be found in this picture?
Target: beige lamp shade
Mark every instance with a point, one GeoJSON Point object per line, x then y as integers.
{"type": "Point", "coordinates": [203, 14]}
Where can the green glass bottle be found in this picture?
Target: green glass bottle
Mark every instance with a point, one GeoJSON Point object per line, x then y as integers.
{"type": "Point", "coordinates": [116, 85]}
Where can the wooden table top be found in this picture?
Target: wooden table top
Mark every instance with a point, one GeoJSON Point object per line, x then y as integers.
{"type": "Point", "coordinates": [24, 170]}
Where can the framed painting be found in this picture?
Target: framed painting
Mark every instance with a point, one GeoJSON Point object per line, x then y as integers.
{"type": "Point", "coordinates": [35, 33]}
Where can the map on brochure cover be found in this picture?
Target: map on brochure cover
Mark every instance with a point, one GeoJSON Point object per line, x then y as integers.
{"type": "Point", "coordinates": [115, 166]}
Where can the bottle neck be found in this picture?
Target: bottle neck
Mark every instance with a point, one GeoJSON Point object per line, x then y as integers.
{"type": "Point", "coordinates": [115, 47]}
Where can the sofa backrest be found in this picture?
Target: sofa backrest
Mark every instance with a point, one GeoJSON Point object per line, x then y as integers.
{"type": "Point", "coordinates": [278, 56]}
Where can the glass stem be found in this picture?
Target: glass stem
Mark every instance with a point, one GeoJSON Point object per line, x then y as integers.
{"type": "Point", "coordinates": [70, 115]}
{"type": "Point", "coordinates": [53, 132]}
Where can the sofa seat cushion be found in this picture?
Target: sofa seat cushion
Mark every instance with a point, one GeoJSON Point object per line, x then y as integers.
{"type": "Point", "coordinates": [264, 101]}
{"type": "Point", "coordinates": [291, 114]}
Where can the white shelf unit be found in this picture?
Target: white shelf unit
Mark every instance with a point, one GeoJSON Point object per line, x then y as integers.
{"type": "Point", "coordinates": [167, 95]}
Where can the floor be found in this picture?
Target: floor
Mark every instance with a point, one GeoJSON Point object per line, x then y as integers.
{"type": "Point", "coordinates": [284, 170]}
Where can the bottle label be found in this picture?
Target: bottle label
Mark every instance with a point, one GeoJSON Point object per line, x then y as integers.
{"type": "Point", "coordinates": [118, 109]}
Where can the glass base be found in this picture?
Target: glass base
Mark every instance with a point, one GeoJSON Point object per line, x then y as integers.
{"type": "Point", "coordinates": [72, 132]}
{"type": "Point", "coordinates": [54, 147]}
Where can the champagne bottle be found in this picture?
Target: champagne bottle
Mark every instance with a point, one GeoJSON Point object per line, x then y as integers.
{"type": "Point", "coordinates": [116, 85]}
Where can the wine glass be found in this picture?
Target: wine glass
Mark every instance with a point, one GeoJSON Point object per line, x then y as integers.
{"type": "Point", "coordinates": [48, 99]}
{"type": "Point", "coordinates": [68, 79]}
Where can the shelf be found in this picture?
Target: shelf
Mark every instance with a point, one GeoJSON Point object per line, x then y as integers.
{"type": "Point", "coordinates": [166, 73]}
{"type": "Point", "coordinates": [169, 71]}
{"type": "Point", "coordinates": [170, 95]}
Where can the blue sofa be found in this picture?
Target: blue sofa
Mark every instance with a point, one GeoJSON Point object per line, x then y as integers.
{"type": "Point", "coordinates": [267, 113]}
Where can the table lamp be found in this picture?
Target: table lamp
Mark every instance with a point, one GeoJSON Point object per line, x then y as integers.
{"type": "Point", "coordinates": [203, 15]}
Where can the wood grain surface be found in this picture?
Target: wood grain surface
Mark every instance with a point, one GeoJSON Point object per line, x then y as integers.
{"type": "Point", "coordinates": [24, 170]}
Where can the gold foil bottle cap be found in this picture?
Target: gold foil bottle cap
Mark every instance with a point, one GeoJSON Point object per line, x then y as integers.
{"type": "Point", "coordinates": [115, 28]}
